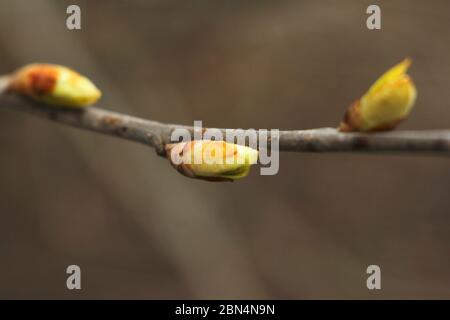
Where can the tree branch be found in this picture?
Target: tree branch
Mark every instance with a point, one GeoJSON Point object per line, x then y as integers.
{"type": "Point", "coordinates": [156, 134]}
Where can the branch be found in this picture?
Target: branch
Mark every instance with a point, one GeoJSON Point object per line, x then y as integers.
{"type": "Point", "coordinates": [157, 134]}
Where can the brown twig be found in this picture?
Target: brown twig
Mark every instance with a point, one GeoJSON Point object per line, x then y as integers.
{"type": "Point", "coordinates": [157, 134]}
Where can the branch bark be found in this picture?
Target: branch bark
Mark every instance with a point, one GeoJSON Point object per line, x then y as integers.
{"type": "Point", "coordinates": [157, 134]}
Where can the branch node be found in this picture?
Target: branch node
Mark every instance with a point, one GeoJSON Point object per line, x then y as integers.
{"type": "Point", "coordinates": [156, 141]}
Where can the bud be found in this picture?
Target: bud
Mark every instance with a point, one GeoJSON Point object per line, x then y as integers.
{"type": "Point", "coordinates": [211, 160]}
{"type": "Point", "coordinates": [55, 85]}
{"type": "Point", "coordinates": [388, 102]}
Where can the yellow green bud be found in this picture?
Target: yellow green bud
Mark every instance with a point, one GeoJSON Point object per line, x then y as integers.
{"type": "Point", "coordinates": [54, 85]}
{"type": "Point", "coordinates": [211, 160]}
{"type": "Point", "coordinates": [388, 101]}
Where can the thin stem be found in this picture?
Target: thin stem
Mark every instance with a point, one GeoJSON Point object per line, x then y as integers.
{"type": "Point", "coordinates": [157, 134]}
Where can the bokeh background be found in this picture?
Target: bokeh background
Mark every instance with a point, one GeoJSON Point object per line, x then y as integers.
{"type": "Point", "coordinates": [138, 229]}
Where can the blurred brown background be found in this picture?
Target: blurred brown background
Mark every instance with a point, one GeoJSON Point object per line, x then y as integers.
{"type": "Point", "coordinates": [138, 229]}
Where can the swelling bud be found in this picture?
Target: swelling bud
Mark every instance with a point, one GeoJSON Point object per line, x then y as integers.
{"type": "Point", "coordinates": [387, 102]}
{"type": "Point", "coordinates": [211, 160]}
{"type": "Point", "coordinates": [54, 85]}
